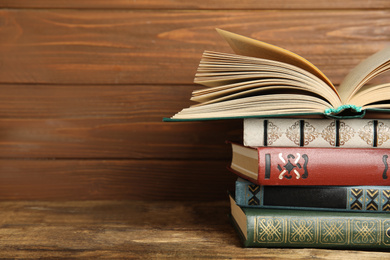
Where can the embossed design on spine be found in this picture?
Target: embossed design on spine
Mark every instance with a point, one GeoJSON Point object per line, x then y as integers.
{"type": "Point", "coordinates": [385, 200]}
{"type": "Point", "coordinates": [345, 133]}
{"type": "Point", "coordinates": [269, 230]}
{"type": "Point", "coordinates": [302, 231]}
{"type": "Point", "coordinates": [288, 167]}
{"type": "Point", "coordinates": [383, 133]}
{"type": "Point", "coordinates": [273, 133]}
{"type": "Point", "coordinates": [333, 231]}
{"type": "Point", "coordinates": [356, 199]}
{"type": "Point", "coordinates": [253, 190]}
{"type": "Point", "coordinates": [367, 133]}
{"type": "Point", "coordinates": [372, 199]}
{"type": "Point", "coordinates": [293, 133]}
{"type": "Point", "coordinates": [327, 133]}
{"type": "Point", "coordinates": [366, 231]}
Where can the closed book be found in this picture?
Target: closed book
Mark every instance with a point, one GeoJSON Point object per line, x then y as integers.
{"type": "Point", "coordinates": [290, 132]}
{"type": "Point", "coordinates": [331, 198]}
{"type": "Point", "coordinates": [311, 166]}
{"type": "Point", "coordinates": [317, 229]}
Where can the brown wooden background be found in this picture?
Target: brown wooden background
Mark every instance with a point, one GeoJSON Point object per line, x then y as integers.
{"type": "Point", "coordinates": [84, 86]}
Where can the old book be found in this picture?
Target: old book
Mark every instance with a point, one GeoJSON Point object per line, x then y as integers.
{"type": "Point", "coordinates": [334, 198]}
{"type": "Point", "coordinates": [289, 132]}
{"type": "Point", "coordinates": [310, 228]}
{"type": "Point", "coordinates": [263, 80]}
{"type": "Point", "coordinates": [311, 166]}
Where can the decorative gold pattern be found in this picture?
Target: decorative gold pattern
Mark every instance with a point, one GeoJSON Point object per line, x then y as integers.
{"type": "Point", "coordinates": [274, 133]}
{"type": "Point", "coordinates": [302, 231]}
{"type": "Point", "coordinates": [346, 133]}
{"type": "Point", "coordinates": [293, 133]}
{"type": "Point", "coordinates": [310, 133]}
{"type": "Point", "coordinates": [383, 133]}
{"type": "Point", "coordinates": [366, 232]}
{"type": "Point", "coordinates": [367, 133]}
{"type": "Point", "coordinates": [337, 231]}
{"type": "Point", "coordinates": [328, 134]}
{"type": "Point", "coordinates": [269, 230]}
{"type": "Point", "coordinates": [333, 231]}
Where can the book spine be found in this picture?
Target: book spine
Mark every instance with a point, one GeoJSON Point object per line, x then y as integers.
{"type": "Point", "coordinates": [312, 166]}
{"type": "Point", "coordinates": [323, 166]}
{"type": "Point", "coordinates": [348, 133]}
{"type": "Point", "coordinates": [335, 198]}
{"type": "Point", "coordinates": [290, 228]}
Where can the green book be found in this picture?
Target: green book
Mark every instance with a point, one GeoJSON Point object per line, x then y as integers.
{"type": "Point", "coordinates": [259, 227]}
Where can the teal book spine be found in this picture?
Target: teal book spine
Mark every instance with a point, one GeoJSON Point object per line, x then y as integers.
{"type": "Point", "coordinates": [334, 198]}
{"type": "Point", "coordinates": [311, 229]}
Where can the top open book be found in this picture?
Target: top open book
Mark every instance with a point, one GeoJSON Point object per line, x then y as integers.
{"type": "Point", "coordinates": [262, 80]}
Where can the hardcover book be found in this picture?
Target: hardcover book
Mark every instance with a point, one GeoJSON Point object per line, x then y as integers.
{"type": "Point", "coordinates": [318, 229]}
{"type": "Point", "coordinates": [290, 132]}
{"type": "Point", "coordinates": [263, 80]}
{"type": "Point", "coordinates": [331, 198]}
{"type": "Point", "coordinates": [311, 166]}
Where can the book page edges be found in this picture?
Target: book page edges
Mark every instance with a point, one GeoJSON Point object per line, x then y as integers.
{"type": "Point", "coordinates": [250, 47]}
{"type": "Point", "coordinates": [239, 217]}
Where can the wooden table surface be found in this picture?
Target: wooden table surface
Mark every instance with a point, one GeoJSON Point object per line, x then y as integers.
{"type": "Point", "coordinates": [135, 229]}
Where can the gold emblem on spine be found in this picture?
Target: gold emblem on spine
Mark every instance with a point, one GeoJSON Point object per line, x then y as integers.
{"type": "Point", "coordinates": [274, 133]}
{"type": "Point", "coordinates": [383, 134]}
{"type": "Point", "coordinates": [367, 133]}
{"type": "Point", "coordinates": [293, 133]}
{"type": "Point", "coordinates": [365, 232]}
{"type": "Point", "coordinates": [333, 231]}
{"type": "Point", "coordinates": [346, 133]}
{"type": "Point", "coordinates": [329, 134]}
{"type": "Point", "coordinates": [302, 231]}
{"type": "Point", "coordinates": [310, 133]}
{"type": "Point", "coordinates": [269, 230]}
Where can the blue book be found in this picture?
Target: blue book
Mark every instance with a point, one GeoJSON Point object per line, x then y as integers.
{"type": "Point", "coordinates": [335, 198]}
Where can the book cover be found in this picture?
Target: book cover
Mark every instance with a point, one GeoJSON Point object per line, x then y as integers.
{"type": "Point", "coordinates": [290, 132]}
{"type": "Point", "coordinates": [331, 198]}
{"type": "Point", "coordinates": [316, 229]}
{"type": "Point", "coordinates": [311, 166]}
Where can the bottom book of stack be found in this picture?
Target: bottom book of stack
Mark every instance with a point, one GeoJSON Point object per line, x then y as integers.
{"type": "Point", "coordinates": [357, 221]}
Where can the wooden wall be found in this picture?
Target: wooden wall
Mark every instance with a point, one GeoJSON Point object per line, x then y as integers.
{"type": "Point", "coordinates": [84, 86]}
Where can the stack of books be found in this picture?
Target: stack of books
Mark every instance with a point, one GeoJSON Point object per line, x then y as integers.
{"type": "Point", "coordinates": [313, 165]}
{"type": "Point", "coordinates": [322, 188]}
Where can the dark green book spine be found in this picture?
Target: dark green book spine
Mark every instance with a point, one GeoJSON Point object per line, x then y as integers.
{"type": "Point", "coordinates": [335, 198]}
{"type": "Point", "coordinates": [318, 229]}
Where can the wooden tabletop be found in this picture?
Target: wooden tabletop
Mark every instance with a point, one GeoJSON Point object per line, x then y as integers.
{"type": "Point", "coordinates": [135, 229]}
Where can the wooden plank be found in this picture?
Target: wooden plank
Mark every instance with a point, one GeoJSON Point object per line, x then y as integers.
{"type": "Point", "coordinates": [187, 180]}
{"type": "Point", "coordinates": [149, 47]}
{"type": "Point", "coordinates": [197, 5]}
{"type": "Point", "coordinates": [115, 138]}
{"type": "Point", "coordinates": [119, 121]}
{"type": "Point", "coordinates": [133, 103]}
{"type": "Point", "coordinates": [136, 230]}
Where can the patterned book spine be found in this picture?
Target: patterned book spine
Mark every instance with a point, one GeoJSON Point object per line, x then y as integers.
{"type": "Point", "coordinates": [335, 198]}
{"type": "Point", "coordinates": [318, 229]}
{"type": "Point", "coordinates": [311, 166]}
{"type": "Point", "coordinates": [359, 133]}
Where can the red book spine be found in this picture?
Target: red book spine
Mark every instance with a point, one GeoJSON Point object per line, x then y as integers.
{"type": "Point", "coordinates": [322, 166]}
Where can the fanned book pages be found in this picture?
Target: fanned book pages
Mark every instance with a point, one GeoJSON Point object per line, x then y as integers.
{"type": "Point", "coordinates": [262, 80]}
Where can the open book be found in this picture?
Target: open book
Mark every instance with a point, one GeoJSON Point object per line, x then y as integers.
{"type": "Point", "coordinates": [262, 80]}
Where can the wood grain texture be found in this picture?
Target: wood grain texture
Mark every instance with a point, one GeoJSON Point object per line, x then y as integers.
{"type": "Point", "coordinates": [198, 5]}
{"type": "Point", "coordinates": [153, 180]}
{"type": "Point", "coordinates": [149, 47]}
{"type": "Point", "coordinates": [115, 138]}
{"type": "Point", "coordinates": [135, 230]}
